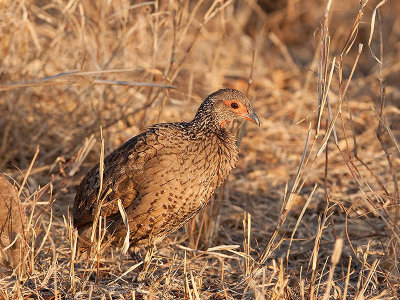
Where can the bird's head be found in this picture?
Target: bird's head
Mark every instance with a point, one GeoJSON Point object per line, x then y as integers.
{"type": "Point", "coordinates": [227, 105]}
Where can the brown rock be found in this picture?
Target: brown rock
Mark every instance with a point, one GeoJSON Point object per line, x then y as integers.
{"type": "Point", "coordinates": [12, 227]}
{"type": "Point", "coordinates": [164, 175]}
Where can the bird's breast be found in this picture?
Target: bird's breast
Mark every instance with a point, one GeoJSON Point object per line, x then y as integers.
{"type": "Point", "coordinates": [176, 184]}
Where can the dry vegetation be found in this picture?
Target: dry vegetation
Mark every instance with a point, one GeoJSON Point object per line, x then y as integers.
{"type": "Point", "coordinates": [311, 212]}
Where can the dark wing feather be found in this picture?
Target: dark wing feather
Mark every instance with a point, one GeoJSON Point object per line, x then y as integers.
{"type": "Point", "coordinates": [122, 173]}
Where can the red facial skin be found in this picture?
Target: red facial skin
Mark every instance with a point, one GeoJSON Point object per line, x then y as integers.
{"type": "Point", "coordinates": [241, 111]}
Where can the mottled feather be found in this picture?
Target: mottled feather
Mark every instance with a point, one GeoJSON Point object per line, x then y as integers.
{"type": "Point", "coordinates": [163, 176]}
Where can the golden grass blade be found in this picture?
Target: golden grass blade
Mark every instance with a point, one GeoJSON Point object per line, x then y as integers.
{"type": "Point", "coordinates": [125, 246]}
{"type": "Point", "coordinates": [28, 171]}
{"type": "Point", "coordinates": [132, 268]}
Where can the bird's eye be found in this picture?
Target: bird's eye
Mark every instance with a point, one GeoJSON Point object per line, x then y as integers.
{"type": "Point", "coordinates": [234, 105]}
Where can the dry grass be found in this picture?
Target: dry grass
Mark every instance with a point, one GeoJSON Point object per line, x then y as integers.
{"type": "Point", "coordinates": [311, 212]}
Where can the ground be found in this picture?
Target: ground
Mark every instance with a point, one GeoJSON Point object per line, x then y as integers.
{"type": "Point", "coordinates": [312, 209]}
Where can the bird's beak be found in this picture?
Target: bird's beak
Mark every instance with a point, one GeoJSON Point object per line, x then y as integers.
{"type": "Point", "coordinates": [251, 116]}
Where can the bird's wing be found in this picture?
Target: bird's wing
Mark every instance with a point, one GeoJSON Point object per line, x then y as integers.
{"type": "Point", "coordinates": [123, 170]}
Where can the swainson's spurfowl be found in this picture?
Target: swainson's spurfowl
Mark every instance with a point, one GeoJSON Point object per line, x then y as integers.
{"type": "Point", "coordinates": [164, 175]}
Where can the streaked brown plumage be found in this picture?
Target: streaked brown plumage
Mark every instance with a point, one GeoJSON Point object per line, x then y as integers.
{"type": "Point", "coordinates": [12, 222]}
{"type": "Point", "coordinates": [164, 175]}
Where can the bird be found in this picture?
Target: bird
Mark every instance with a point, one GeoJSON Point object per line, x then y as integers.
{"type": "Point", "coordinates": [162, 177]}
{"type": "Point", "coordinates": [13, 224]}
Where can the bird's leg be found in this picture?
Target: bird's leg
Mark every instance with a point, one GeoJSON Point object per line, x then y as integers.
{"type": "Point", "coordinates": [131, 251]}
{"type": "Point", "coordinates": [150, 250]}
{"type": "Point", "coordinates": [137, 258]}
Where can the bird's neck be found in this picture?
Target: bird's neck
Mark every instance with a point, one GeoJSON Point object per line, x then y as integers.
{"type": "Point", "coordinates": [206, 123]}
